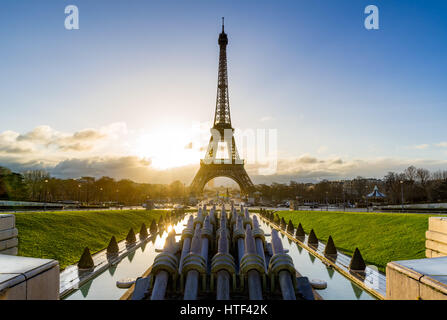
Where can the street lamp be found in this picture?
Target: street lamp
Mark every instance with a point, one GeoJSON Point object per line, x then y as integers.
{"type": "Point", "coordinates": [344, 201]}
{"type": "Point", "coordinates": [366, 199]}
{"type": "Point", "coordinates": [327, 203]}
{"type": "Point", "coordinates": [100, 196]}
{"type": "Point", "coordinates": [402, 193]}
{"type": "Point", "coordinates": [79, 197]}
{"type": "Point", "coordinates": [45, 201]}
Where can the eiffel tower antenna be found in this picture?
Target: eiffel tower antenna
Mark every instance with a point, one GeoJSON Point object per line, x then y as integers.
{"type": "Point", "coordinates": [222, 135]}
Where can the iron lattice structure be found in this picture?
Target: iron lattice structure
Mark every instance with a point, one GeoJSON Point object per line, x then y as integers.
{"type": "Point", "coordinates": [222, 136]}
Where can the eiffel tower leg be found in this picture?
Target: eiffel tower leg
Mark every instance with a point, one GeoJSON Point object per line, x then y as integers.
{"type": "Point", "coordinates": [199, 181]}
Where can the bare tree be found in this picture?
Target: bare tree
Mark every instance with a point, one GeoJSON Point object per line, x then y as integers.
{"type": "Point", "coordinates": [423, 176]}
{"type": "Point", "coordinates": [411, 173]}
{"type": "Point", "coordinates": [439, 175]}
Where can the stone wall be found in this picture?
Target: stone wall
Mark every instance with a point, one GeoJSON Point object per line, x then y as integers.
{"type": "Point", "coordinates": [8, 234]}
{"type": "Point", "coordinates": [420, 279]}
{"type": "Point", "coordinates": [436, 237]}
{"type": "Point", "coordinates": [23, 278]}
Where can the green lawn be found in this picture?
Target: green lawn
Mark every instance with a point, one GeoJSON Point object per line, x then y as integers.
{"type": "Point", "coordinates": [64, 235]}
{"type": "Point", "coordinates": [380, 237]}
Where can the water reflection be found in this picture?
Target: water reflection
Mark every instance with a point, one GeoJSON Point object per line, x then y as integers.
{"type": "Point", "coordinates": [132, 254]}
{"type": "Point", "coordinates": [357, 290]}
{"type": "Point", "coordinates": [160, 240]}
{"type": "Point", "coordinates": [330, 272]}
{"type": "Point", "coordinates": [85, 288]}
{"type": "Point", "coordinates": [112, 270]}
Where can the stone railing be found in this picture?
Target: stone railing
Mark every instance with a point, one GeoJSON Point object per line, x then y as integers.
{"type": "Point", "coordinates": [436, 237]}
{"type": "Point", "coordinates": [8, 234]}
{"type": "Point", "coordinates": [23, 278]}
{"type": "Point", "coordinates": [422, 279]}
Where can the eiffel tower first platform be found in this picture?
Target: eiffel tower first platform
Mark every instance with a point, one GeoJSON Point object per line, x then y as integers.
{"type": "Point", "coordinates": [222, 137]}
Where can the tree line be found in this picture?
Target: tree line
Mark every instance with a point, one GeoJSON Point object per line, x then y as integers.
{"type": "Point", "coordinates": [38, 185]}
{"type": "Point", "coordinates": [414, 184]}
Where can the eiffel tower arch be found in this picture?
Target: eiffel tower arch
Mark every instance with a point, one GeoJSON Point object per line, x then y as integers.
{"type": "Point", "coordinates": [222, 137]}
{"type": "Point", "coordinates": [235, 172]}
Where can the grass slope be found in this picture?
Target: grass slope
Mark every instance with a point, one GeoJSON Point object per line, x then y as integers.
{"type": "Point", "coordinates": [64, 235]}
{"type": "Point", "coordinates": [380, 237]}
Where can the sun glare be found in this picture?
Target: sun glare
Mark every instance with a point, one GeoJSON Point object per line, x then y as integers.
{"type": "Point", "coordinates": [168, 148]}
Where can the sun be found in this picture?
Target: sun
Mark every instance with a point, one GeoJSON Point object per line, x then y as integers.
{"type": "Point", "coordinates": [168, 147]}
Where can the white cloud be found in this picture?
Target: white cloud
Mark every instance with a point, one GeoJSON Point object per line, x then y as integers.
{"type": "Point", "coordinates": [420, 146]}
{"type": "Point", "coordinates": [44, 139]}
{"type": "Point", "coordinates": [304, 169]}
{"type": "Point", "coordinates": [265, 118]}
{"type": "Point", "coordinates": [105, 151]}
{"type": "Point", "coordinates": [10, 145]}
{"type": "Point", "coordinates": [322, 149]}
{"type": "Point", "coordinates": [308, 168]}
{"type": "Point", "coordinates": [442, 144]}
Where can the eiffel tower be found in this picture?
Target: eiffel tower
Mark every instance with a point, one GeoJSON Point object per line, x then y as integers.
{"type": "Point", "coordinates": [222, 137]}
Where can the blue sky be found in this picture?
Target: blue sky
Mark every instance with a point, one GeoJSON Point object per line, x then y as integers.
{"type": "Point", "coordinates": [309, 69]}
